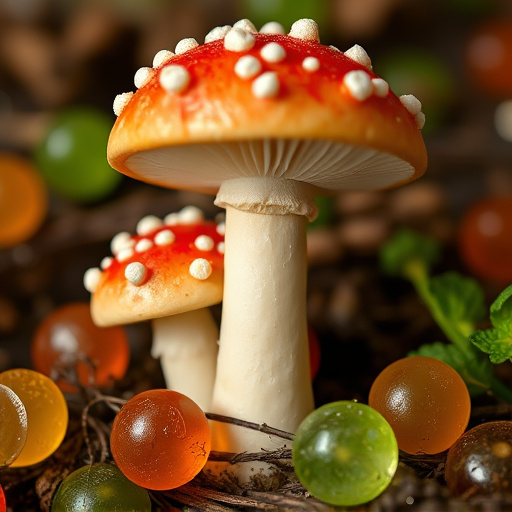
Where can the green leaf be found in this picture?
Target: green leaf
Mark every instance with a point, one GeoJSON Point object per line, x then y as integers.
{"type": "Point", "coordinates": [501, 310]}
{"type": "Point", "coordinates": [475, 371]}
{"type": "Point", "coordinates": [497, 342]}
{"type": "Point", "coordinates": [407, 247]}
{"type": "Point", "coordinates": [461, 300]}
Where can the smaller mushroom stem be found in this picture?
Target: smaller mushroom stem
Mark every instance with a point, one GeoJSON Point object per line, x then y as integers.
{"type": "Point", "coordinates": [187, 345]}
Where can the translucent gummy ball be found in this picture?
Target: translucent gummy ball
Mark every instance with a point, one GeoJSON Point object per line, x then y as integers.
{"type": "Point", "coordinates": [345, 453]}
{"type": "Point", "coordinates": [100, 487]}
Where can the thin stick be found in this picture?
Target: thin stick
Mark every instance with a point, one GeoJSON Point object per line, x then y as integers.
{"type": "Point", "coordinates": [283, 501]}
{"type": "Point", "coordinates": [253, 499]}
{"type": "Point", "coordinates": [263, 427]}
{"type": "Point", "coordinates": [210, 499]}
{"type": "Point", "coordinates": [87, 420]}
{"type": "Point", "coordinates": [109, 400]}
{"type": "Point", "coordinates": [102, 438]}
{"type": "Point", "coordinates": [265, 456]}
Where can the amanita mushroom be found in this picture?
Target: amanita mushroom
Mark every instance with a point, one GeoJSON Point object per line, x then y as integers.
{"type": "Point", "coordinates": [265, 121]}
{"type": "Point", "coordinates": [169, 273]}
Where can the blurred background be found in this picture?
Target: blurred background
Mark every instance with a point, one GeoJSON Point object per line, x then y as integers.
{"type": "Point", "coordinates": [62, 62]}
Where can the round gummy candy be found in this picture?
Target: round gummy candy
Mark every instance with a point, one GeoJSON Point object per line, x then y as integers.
{"type": "Point", "coordinates": [47, 413]}
{"type": "Point", "coordinates": [480, 462]}
{"type": "Point", "coordinates": [72, 156]}
{"type": "Point", "coordinates": [345, 453]}
{"type": "Point", "coordinates": [489, 57]}
{"type": "Point", "coordinates": [68, 335]}
{"type": "Point", "coordinates": [100, 487]}
{"type": "Point", "coordinates": [485, 238]}
{"type": "Point", "coordinates": [13, 426]}
{"type": "Point", "coordinates": [425, 401]}
{"type": "Point", "coordinates": [23, 200]}
{"type": "Point", "coordinates": [160, 439]}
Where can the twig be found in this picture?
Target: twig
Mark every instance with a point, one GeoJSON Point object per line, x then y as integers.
{"type": "Point", "coordinates": [263, 427]}
{"type": "Point", "coordinates": [206, 497]}
{"type": "Point", "coordinates": [193, 504]}
{"type": "Point", "coordinates": [102, 438]}
{"type": "Point", "coordinates": [282, 500]}
{"type": "Point", "coordinates": [264, 456]}
{"type": "Point", "coordinates": [108, 400]}
{"type": "Point", "coordinates": [87, 420]}
{"type": "Point", "coordinates": [209, 499]}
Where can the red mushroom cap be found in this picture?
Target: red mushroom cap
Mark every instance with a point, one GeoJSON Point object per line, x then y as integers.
{"type": "Point", "coordinates": [210, 112]}
{"type": "Point", "coordinates": [166, 269]}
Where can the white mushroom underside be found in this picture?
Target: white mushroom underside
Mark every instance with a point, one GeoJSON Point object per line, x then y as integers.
{"type": "Point", "coordinates": [325, 164]}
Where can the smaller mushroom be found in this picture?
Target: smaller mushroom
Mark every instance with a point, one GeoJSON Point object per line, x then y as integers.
{"type": "Point", "coordinates": [169, 273]}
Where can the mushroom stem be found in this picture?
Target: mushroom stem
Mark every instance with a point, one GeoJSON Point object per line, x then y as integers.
{"type": "Point", "coordinates": [263, 363]}
{"type": "Point", "coordinates": [187, 347]}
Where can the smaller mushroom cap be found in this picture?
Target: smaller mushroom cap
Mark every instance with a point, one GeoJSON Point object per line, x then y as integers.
{"type": "Point", "coordinates": [171, 266]}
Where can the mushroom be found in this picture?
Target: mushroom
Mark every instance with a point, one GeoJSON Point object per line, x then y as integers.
{"type": "Point", "coordinates": [265, 120]}
{"type": "Point", "coordinates": [169, 273]}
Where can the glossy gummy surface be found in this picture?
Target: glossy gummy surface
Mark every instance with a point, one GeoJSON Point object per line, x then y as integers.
{"type": "Point", "coordinates": [72, 155]}
{"type": "Point", "coordinates": [160, 439]}
{"type": "Point", "coordinates": [23, 200]}
{"type": "Point", "coordinates": [485, 238]}
{"type": "Point", "coordinates": [493, 38]}
{"type": "Point", "coordinates": [47, 413]}
{"type": "Point", "coordinates": [480, 462]}
{"type": "Point", "coordinates": [100, 488]}
{"type": "Point", "coordinates": [13, 426]}
{"type": "Point", "coordinates": [425, 401]}
{"type": "Point", "coordinates": [345, 453]}
{"type": "Point", "coordinates": [68, 336]}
